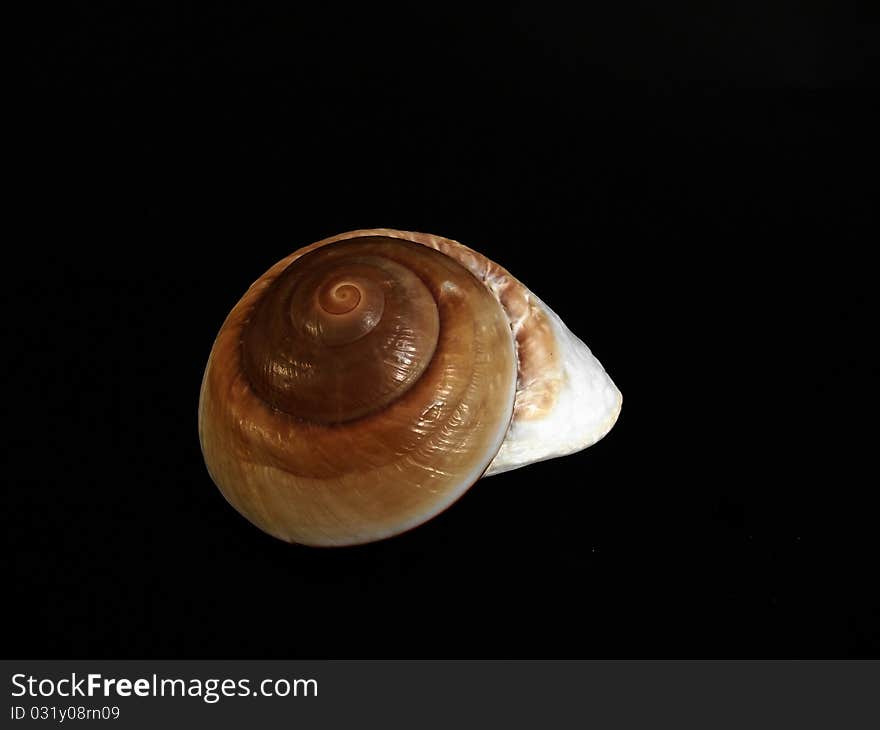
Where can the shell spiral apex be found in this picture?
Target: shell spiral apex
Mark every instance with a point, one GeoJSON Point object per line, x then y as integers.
{"type": "Point", "coordinates": [365, 382]}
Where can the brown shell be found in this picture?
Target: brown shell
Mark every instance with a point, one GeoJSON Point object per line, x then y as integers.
{"type": "Point", "coordinates": [357, 389]}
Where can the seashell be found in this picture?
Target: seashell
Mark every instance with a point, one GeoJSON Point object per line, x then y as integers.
{"type": "Point", "coordinates": [365, 382]}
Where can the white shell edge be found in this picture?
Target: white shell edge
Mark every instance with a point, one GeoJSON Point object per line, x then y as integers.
{"type": "Point", "coordinates": [587, 407]}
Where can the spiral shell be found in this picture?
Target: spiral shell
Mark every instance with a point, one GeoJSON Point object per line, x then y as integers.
{"type": "Point", "coordinates": [363, 383]}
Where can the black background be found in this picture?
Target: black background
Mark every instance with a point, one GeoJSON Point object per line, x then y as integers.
{"type": "Point", "coordinates": [692, 188]}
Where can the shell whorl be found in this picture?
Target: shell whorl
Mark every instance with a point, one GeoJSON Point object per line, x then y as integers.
{"type": "Point", "coordinates": [344, 331]}
{"type": "Point", "coordinates": [356, 391]}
